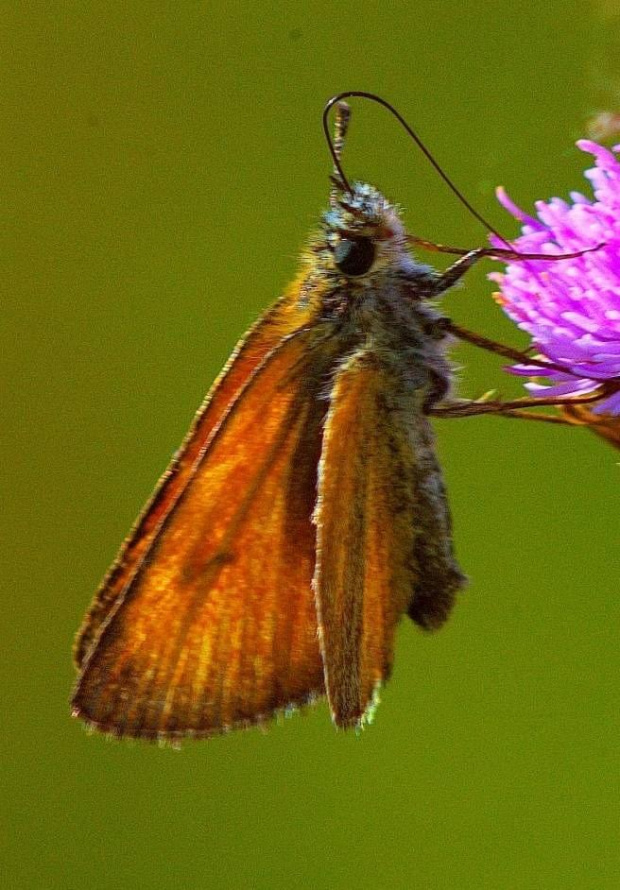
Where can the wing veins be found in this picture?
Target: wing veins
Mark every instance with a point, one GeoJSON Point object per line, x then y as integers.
{"type": "Point", "coordinates": [82, 654]}
{"type": "Point", "coordinates": [200, 595]}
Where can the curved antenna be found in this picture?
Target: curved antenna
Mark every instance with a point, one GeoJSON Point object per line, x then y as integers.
{"type": "Point", "coordinates": [335, 151]}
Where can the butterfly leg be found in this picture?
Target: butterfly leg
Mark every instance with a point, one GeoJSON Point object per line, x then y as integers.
{"type": "Point", "coordinates": [513, 408]}
{"type": "Point", "coordinates": [573, 413]}
{"type": "Point", "coordinates": [468, 258]}
{"type": "Point", "coordinates": [449, 277]}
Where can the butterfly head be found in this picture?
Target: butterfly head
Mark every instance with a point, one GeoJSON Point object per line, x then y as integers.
{"type": "Point", "coordinates": [363, 232]}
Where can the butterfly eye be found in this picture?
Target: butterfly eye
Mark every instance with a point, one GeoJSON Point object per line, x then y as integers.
{"type": "Point", "coordinates": [354, 256]}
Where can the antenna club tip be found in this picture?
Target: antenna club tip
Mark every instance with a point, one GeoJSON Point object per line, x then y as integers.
{"type": "Point", "coordinates": [343, 116]}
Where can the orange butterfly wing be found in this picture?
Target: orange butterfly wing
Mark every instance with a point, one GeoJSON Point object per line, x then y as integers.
{"type": "Point", "coordinates": [363, 584]}
{"type": "Point", "coordinates": [283, 318]}
{"type": "Point", "coordinates": [217, 626]}
{"type": "Point", "coordinates": [381, 518]}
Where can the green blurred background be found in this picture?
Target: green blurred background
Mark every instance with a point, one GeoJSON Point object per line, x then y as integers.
{"type": "Point", "coordinates": [163, 164]}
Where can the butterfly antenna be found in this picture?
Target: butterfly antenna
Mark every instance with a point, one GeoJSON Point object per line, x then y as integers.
{"type": "Point", "coordinates": [340, 182]}
{"type": "Point", "coordinates": [335, 147]}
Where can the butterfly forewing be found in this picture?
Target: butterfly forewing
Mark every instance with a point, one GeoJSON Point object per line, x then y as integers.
{"type": "Point", "coordinates": [282, 319]}
{"type": "Point", "coordinates": [218, 626]}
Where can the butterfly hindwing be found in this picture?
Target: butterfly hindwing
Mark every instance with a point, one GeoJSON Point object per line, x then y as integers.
{"type": "Point", "coordinates": [383, 529]}
{"type": "Point", "coordinates": [364, 574]}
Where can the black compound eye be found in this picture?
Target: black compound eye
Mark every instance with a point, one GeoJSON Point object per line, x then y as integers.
{"type": "Point", "coordinates": [354, 256]}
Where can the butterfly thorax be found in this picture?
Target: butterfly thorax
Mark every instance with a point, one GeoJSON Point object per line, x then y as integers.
{"type": "Point", "coordinates": [363, 282]}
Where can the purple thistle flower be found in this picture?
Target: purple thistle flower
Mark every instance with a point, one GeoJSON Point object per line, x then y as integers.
{"type": "Point", "coordinates": [570, 308]}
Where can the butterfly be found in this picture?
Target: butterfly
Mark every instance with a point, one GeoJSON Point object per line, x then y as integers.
{"type": "Point", "coordinates": [305, 514]}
